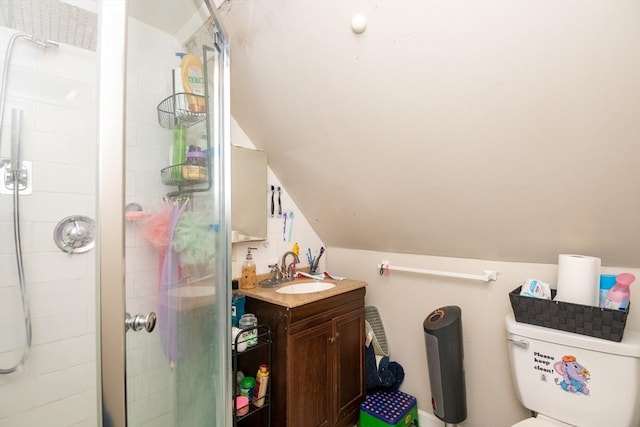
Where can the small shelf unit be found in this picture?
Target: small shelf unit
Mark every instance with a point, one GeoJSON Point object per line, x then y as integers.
{"type": "Point", "coordinates": [263, 345]}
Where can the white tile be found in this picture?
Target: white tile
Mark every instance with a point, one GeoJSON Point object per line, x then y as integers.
{"type": "Point", "coordinates": [71, 63]}
{"type": "Point", "coordinates": [52, 207]}
{"type": "Point", "coordinates": [41, 87]}
{"type": "Point", "coordinates": [10, 302]}
{"type": "Point", "coordinates": [145, 359]}
{"type": "Point", "coordinates": [147, 283]}
{"type": "Point", "coordinates": [149, 407]}
{"type": "Point", "coordinates": [166, 420]}
{"type": "Point", "coordinates": [139, 259]}
{"type": "Point", "coordinates": [40, 238]}
{"type": "Point", "coordinates": [138, 158]}
{"type": "Point", "coordinates": [12, 336]}
{"type": "Point", "coordinates": [13, 399]}
{"type": "Point", "coordinates": [151, 382]}
{"type": "Point", "coordinates": [58, 296]}
{"type": "Point", "coordinates": [58, 326]}
{"type": "Point", "coordinates": [51, 177]}
{"type": "Point", "coordinates": [57, 266]}
{"type": "Point", "coordinates": [142, 304]}
{"type": "Point", "coordinates": [57, 148]}
{"type": "Point", "coordinates": [62, 413]}
{"type": "Point", "coordinates": [28, 108]}
{"type": "Point", "coordinates": [65, 121]}
{"type": "Point", "coordinates": [61, 354]}
{"type": "Point", "coordinates": [6, 230]}
{"type": "Point", "coordinates": [57, 385]}
{"type": "Point", "coordinates": [19, 420]}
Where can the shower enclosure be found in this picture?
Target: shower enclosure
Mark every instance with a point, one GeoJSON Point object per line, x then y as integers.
{"type": "Point", "coordinates": [96, 146]}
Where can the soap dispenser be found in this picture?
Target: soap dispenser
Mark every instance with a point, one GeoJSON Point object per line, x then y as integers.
{"type": "Point", "coordinates": [248, 277]}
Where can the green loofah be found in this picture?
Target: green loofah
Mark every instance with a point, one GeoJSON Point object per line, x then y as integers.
{"type": "Point", "coordinates": [194, 238]}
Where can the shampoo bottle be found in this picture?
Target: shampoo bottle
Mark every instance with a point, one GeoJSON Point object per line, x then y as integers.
{"type": "Point", "coordinates": [260, 389]}
{"type": "Point", "coordinates": [178, 151]}
{"type": "Point", "coordinates": [619, 296]}
{"type": "Point", "coordinates": [248, 277]}
{"type": "Point", "coordinates": [193, 82]}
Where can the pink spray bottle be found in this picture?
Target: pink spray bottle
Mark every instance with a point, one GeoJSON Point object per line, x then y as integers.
{"type": "Point", "coordinates": [619, 296]}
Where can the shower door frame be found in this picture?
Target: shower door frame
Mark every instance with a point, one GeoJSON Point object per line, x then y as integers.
{"type": "Point", "coordinates": [112, 407]}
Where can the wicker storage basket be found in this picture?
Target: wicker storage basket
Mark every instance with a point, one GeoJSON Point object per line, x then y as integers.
{"type": "Point", "coordinates": [580, 319]}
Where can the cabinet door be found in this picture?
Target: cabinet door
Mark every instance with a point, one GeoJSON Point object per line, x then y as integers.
{"type": "Point", "coordinates": [310, 366]}
{"type": "Point", "coordinates": [349, 348]}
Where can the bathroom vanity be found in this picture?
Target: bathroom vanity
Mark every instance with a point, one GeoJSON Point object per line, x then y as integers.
{"type": "Point", "coordinates": [317, 368]}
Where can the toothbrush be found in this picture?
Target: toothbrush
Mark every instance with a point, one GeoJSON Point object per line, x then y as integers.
{"type": "Point", "coordinates": [279, 203]}
{"type": "Point", "coordinates": [290, 225]}
{"type": "Point", "coordinates": [284, 228]}
{"type": "Point", "coordinates": [273, 205]}
{"type": "Point", "coordinates": [317, 260]}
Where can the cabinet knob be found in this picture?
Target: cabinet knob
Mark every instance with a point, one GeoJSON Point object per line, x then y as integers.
{"type": "Point", "coordinates": [332, 339]}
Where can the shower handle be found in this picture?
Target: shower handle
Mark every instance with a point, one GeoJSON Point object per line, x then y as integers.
{"type": "Point", "coordinates": [140, 322]}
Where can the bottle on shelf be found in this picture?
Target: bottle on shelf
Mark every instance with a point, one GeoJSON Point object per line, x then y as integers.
{"type": "Point", "coordinates": [246, 386]}
{"type": "Point", "coordinates": [260, 388]}
{"type": "Point", "coordinates": [248, 323]}
{"type": "Point", "coordinates": [178, 151]}
{"type": "Point", "coordinates": [195, 166]}
{"type": "Point", "coordinates": [237, 304]}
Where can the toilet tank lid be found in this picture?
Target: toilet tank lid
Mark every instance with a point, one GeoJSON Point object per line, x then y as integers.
{"type": "Point", "coordinates": [629, 346]}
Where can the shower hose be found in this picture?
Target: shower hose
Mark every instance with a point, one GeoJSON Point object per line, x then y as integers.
{"type": "Point", "coordinates": [16, 206]}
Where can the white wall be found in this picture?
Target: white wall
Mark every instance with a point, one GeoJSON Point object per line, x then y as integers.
{"type": "Point", "coordinates": [150, 378]}
{"type": "Point", "coordinates": [405, 299]}
{"type": "Point", "coordinates": [56, 89]}
{"type": "Point", "coordinates": [271, 250]}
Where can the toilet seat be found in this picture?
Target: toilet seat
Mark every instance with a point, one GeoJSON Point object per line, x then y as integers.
{"type": "Point", "coordinates": [541, 421]}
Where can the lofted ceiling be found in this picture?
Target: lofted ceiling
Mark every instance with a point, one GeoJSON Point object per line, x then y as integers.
{"type": "Point", "coordinates": [493, 130]}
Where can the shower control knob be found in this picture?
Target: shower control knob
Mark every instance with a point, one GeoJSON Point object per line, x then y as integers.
{"type": "Point", "coordinates": [140, 322]}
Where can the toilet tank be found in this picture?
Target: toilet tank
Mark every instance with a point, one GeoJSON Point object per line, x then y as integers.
{"type": "Point", "coordinates": [576, 379]}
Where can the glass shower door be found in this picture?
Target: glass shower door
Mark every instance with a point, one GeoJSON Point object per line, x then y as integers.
{"type": "Point", "coordinates": [176, 244]}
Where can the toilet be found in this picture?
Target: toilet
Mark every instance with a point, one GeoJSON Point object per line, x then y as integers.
{"type": "Point", "coordinates": [569, 379]}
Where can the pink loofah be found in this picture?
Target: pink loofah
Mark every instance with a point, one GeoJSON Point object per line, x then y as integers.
{"type": "Point", "coordinates": [156, 228]}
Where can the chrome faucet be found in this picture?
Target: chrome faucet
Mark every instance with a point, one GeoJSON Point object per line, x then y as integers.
{"type": "Point", "coordinates": [287, 270]}
{"type": "Point", "coordinates": [277, 273]}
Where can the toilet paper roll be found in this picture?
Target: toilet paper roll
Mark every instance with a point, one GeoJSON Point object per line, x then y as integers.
{"type": "Point", "coordinates": [578, 279]}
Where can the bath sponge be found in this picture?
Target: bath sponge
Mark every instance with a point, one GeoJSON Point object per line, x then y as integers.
{"type": "Point", "coordinates": [194, 238]}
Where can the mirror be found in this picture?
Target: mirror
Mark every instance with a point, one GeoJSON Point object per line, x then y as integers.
{"type": "Point", "coordinates": [248, 195]}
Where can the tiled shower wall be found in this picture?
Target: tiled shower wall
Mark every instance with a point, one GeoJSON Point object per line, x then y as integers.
{"type": "Point", "coordinates": [56, 89]}
{"type": "Point", "coordinates": [150, 378]}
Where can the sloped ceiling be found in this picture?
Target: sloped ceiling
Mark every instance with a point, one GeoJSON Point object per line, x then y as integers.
{"type": "Point", "coordinates": [491, 130]}
{"type": "Point", "coordinates": [166, 15]}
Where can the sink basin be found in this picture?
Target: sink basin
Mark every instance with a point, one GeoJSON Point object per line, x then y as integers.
{"type": "Point", "coordinates": [306, 287]}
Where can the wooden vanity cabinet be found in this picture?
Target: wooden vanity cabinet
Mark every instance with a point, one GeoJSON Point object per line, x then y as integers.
{"type": "Point", "coordinates": [317, 369]}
